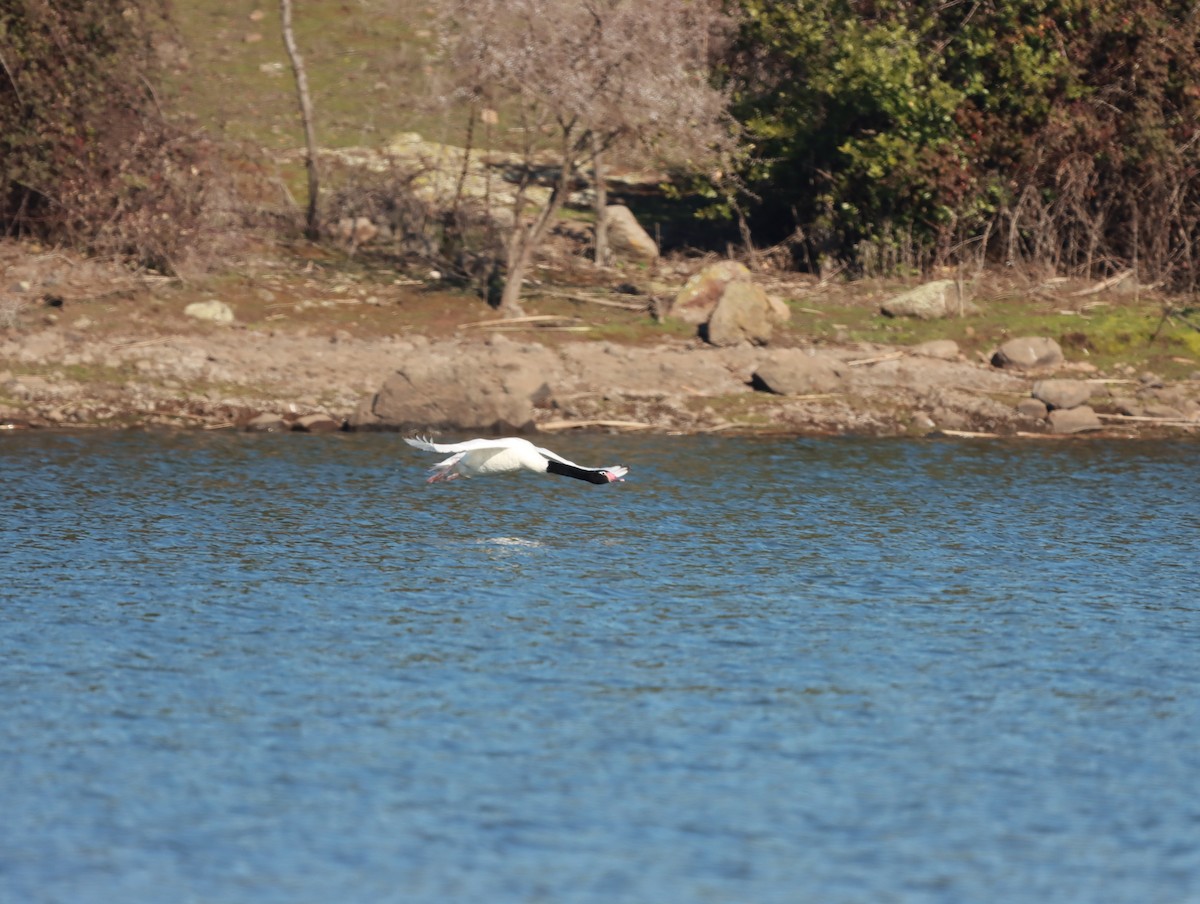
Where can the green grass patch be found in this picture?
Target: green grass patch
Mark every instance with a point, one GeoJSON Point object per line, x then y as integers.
{"type": "Point", "coordinates": [643, 330]}
{"type": "Point", "coordinates": [1121, 332]}
{"type": "Point", "coordinates": [367, 63]}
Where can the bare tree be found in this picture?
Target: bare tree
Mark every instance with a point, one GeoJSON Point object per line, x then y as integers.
{"type": "Point", "coordinates": [594, 74]}
{"type": "Point", "coordinates": [306, 114]}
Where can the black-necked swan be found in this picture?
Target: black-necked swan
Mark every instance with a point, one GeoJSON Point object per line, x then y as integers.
{"type": "Point", "coordinates": [479, 457]}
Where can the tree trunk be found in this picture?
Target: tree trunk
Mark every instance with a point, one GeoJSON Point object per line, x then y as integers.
{"type": "Point", "coordinates": [518, 263]}
{"type": "Point", "coordinates": [311, 229]}
{"type": "Point", "coordinates": [601, 184]}
{"type": "Point", "coordinates": [525, 240]}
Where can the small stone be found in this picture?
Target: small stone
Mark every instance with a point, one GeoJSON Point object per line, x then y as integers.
{"type": "Point", "coordinates": [316, 423]}
{"type": "Point", "coordinates": [780, 312]}
{"type": "Point", "coordinates": [1150, 380]}
{"type": "Point", "coordinates": [266, 423]}
{"type": "Point", "coordinates": [1167, 412]}
{"type": "Point", "coordinates": [1028, 352]}
{"type": "Point", "coordinates": [356, 231]}
{"type": "Point", "coordinates": [627, 237]}
{"type": "Point", "coordinates": [1062, 393]}
{"type": "Point", "coordinates": [1032, 408]}
{"type": "Point", "coordinates": [1128, 406]}
{"type": "Point", "coordinates": [1074, 420]}
{"type": "Point", "coordinates": [930, 301]}
{"type": "Point", "coordinates": [942, 349]}
{"type": "Point", "coordinates": [213, 311]}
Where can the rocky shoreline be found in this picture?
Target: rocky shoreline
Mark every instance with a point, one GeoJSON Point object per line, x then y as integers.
{"type": "Point", "coordinates": [95, 356]}
{"type": "Point", "coordinates": [58, 377]}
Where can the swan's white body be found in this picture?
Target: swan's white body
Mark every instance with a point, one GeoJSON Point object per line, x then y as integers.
{"type": "Point", "coordinates": [479, 457]}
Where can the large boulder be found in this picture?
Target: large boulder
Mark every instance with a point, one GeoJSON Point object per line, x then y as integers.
{"type": "Point", "coordinates": [1027, 353]}
{"type": "Point", "coordinates": [694, 303]}
{"type": "Point", "coordinates": [743, 314]}
{"type": "Point", "coordinates": [931, 301]}
{"type": "Point", "coordinates": [796, 372]}
{"type": "Point", "coordinates": [492, 388]}
{"type": "Point", "coordinates": [1062, 393]}
{"type": "Point", "coordinates": [626, 237]}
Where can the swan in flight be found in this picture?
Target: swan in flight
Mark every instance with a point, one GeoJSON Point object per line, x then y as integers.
{"type": "Point", "coordinates": [479, 457]}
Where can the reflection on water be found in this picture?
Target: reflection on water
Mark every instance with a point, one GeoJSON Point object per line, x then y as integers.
{"type": "Point", "coordinates": [285, 669]}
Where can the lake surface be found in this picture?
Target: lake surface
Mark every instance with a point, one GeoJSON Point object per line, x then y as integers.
{"type": "Point", "coordinates": [284, 669]}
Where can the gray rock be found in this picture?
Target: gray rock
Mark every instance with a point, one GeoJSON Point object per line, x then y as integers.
{"type": "Point", "coordinates": [1032, 408]}
{"type": "Point", "coordinates": [1128, 406]}
{"type": "Point", "coordinates": [494, 387]}
{"type": "Point", "coordinates": [942, 349]}
{"type": "Point", "coordinates": [626, 236]}
{"type": "Point", "coordinates": [694, 303]}
{"type": "Point", "coordinates": [1062, 393]}
{"type": "Point", "coordinates": [1074, 420]}
{"type": "Point", "coordinates": [357, 230]}
{"type": "Point", "coordinates": [1028, 352]}
{"type": "Point", "coordinates": [780, 312]}
{"type": "Point", "coordinates": [1151, 380]}
{"type": "Point", "coordinates": [316, 423]}
{"type": "Point", "coordinates": [266, 423]}
{"type": "Point", "coordinates": [743, 314]}
{"type": "Point", "coordinates": [1158, 409]}
{"type": "Point", "coordinates": [922, 423]}
{"type": "Point", "coordinates": [798, 373]}
{"type": "Point", "coordinates": [212, 310]}
{"type": "Point", "coordinates": [930, 301]}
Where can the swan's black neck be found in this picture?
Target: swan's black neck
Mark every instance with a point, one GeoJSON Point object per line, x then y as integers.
{"type": "Point", "coordinates": [588, 474]}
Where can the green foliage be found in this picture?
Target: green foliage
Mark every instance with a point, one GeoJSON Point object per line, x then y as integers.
{"type": "Point", "coordinates": [1065, 130]}
{"type": "Point", "coordinates": [852, 118]}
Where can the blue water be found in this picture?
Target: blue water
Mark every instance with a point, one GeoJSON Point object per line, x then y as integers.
{"type": "Point", "coordinates": [283, 669]}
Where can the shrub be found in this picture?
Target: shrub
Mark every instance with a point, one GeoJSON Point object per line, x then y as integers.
{"type": "Point", "coordinates": [1062, 131]}
{"type": "Point", "coordinates": [86, 156]}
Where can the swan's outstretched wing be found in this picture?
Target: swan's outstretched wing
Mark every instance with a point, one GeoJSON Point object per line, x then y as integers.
{"type": "Point", "coordinates": [470, 445]}
{"type": "Point", "coordinates": [554, 456]}
{"type": "Point", "coordinates": [454, 466]}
